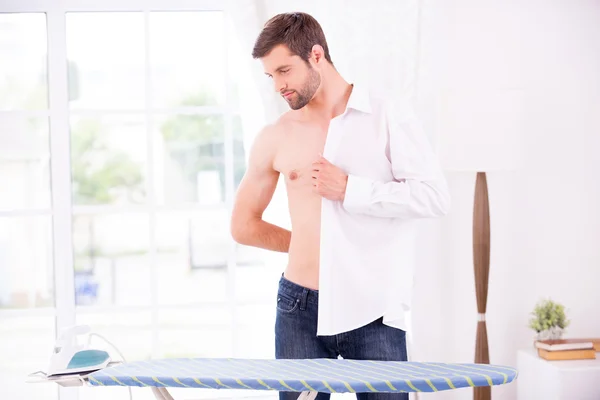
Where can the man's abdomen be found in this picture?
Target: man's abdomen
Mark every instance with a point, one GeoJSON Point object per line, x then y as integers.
{"type": "Point", "coordinates": [303, 264]}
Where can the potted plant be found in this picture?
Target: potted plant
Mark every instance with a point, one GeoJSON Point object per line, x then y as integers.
{"type": "Point", "coordinates": [548, 320]}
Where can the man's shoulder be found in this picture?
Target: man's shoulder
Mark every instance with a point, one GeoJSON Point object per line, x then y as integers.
{"type": "Point", "coordinates": [284, 123]}
{"type": "Point", "coordinates": [272, 131]}
{"type": "Point", "coordinates": [390, 99]}
{"type": "Point", "coordinates": [287, 119]}
{"type": "Point", "coordinates": [395, 106]}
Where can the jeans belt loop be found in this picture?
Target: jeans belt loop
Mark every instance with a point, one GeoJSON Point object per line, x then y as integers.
{"type": "Point", "coordinates": [303, 299]}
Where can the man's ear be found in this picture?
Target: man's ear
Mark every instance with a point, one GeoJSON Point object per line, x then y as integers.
{"type": "Point", "coordinates": [317, 54]}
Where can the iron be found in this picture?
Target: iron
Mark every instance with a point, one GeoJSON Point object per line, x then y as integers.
{"type": "Point", "coordinates": [71, 357]}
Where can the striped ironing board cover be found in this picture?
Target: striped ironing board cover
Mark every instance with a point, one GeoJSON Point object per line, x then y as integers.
{"type": "Point", "coordinates": [318, 375]}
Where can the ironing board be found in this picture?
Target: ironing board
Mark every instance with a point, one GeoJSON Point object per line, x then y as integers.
{"type": "Point", "coordinates": [306, 376]}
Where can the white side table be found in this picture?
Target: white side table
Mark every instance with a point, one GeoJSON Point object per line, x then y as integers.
{"type": "Point", "coordinates": [557, 380]}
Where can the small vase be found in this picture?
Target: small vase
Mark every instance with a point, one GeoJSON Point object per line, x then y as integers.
{"type": "Point", "coordinates": [553, 333]}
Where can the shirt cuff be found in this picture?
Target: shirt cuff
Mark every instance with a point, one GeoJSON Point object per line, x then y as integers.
{"type": "Point", "coordinates": [358, 194]}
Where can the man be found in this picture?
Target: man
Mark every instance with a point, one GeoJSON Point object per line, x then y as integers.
{"type": "Point", "coordinates": [357, 171]}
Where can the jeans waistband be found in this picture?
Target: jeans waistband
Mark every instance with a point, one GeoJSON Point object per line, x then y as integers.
{"type": "Point", "coordinates": [305, 295]}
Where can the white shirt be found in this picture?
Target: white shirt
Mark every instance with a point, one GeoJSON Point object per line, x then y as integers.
{"type": "Point", "coordinates": [368, 240]}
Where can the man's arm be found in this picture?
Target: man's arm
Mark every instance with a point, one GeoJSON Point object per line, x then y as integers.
{"type": "Point", "coordinates": [419, 189]}
{"type": "Point", "coordinates": [254, 195]}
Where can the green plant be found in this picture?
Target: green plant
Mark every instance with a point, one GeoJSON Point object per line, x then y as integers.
{"type": "Point", "coordinates": [548, 316]}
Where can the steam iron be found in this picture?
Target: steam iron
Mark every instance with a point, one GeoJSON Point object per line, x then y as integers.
{"type": "Point", "coordinates": [70, 357]}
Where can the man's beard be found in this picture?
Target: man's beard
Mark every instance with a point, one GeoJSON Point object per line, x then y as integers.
{"type": "Point", "coordinates": [304, 95]}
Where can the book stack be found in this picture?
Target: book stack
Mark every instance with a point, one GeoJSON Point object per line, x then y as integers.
{"type": "Point", "coordinates": [568, 349]}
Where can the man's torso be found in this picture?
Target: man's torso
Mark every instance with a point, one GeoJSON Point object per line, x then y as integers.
{"type": "Point", "coordinates": [299, 145]}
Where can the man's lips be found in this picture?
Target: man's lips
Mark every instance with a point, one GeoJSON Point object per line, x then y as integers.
{"type": "Point", "coordinates": [287, 94]}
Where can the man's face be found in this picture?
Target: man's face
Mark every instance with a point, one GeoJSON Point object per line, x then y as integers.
{"type": "Point", "coordinates": [294, 79]}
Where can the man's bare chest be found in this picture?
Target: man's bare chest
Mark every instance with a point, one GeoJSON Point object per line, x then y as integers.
{"type": "Point", "coordinates": [297, 152]}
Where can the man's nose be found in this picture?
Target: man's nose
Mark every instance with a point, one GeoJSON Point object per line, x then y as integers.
{"type": "Point", "coordinates": [280, 85]}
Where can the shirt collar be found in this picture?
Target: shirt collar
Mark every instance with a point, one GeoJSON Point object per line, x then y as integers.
{"type": "Point", "coordinates": [359, 99]}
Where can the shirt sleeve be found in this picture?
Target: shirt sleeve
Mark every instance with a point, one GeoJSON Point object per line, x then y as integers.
{"type": "Point", "coordinates": [419, 189]}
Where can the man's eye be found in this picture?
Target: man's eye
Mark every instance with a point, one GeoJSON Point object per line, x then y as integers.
{"type": "Point", "coordinates": [285, 71]}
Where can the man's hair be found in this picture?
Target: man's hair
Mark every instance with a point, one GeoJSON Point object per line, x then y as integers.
{"type": "Point", "coordinates": [298, 31]}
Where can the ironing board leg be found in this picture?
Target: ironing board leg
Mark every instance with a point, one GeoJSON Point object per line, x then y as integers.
{"type": "Point", "coordinates": [307, 396]}
{"type": "Point", "coordinates": [161, 393]}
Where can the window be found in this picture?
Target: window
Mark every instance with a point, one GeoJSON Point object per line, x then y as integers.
{"type": "Point", "coordinates": [121, 177]}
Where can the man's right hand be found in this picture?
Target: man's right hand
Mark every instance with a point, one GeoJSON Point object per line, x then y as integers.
{"type": "Point", "coordinates": [254, 195]}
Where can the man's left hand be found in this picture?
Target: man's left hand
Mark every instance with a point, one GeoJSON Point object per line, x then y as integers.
{"type": "Point", "coordinates": [328, 180]}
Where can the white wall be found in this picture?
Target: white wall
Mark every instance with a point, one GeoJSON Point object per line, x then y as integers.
{"type": "Point", "coordinates": [545, 218]}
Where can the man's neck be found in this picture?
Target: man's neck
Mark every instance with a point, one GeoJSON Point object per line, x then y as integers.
{"type": "Point", "coordinates": [332, 98]}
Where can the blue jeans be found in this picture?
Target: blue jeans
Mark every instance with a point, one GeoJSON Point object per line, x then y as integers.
{"type": "Point", "coordinates": [296, 337]}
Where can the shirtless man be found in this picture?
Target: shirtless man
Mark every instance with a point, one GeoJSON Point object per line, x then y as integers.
{"type": "Point", "coordinates": [291, 147]}
{"type": "Point", "coordinates": [294, 54]}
